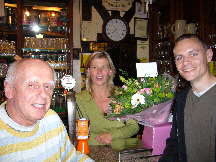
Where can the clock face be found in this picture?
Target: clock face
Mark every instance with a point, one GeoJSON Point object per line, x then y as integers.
{"type": "Point", "coordinates": [116, 29]}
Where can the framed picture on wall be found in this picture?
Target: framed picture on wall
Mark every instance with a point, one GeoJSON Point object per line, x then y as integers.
{"type": "Point", "coordinates": [141, 28]}
{"type": "Point", "coordinates": [89, 31]}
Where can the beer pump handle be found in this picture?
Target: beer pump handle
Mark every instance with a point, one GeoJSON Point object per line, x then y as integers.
{"type": "Point", "coordinates": [68, 82]}
{"type": "Point", "coordinates": [71, 108]}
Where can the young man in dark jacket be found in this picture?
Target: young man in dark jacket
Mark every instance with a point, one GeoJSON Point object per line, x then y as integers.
{"type": "Point", "coordinates": [194, 116]}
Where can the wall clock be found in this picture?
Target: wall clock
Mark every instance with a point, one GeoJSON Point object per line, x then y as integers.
{"type": "Point", "coordinates": [115, 29]}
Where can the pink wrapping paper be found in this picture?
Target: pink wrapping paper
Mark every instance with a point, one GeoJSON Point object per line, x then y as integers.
{"type": "Point", "coordinates": [155, 137]}
{"type": "Point", "coordinates": [157, 114]}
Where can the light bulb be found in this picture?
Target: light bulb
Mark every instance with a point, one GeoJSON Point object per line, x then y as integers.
{"type": "Point", "coordinates": [35, 28]}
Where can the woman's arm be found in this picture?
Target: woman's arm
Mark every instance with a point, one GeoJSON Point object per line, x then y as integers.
{"type": "Point", "coordinates": [131, 128]}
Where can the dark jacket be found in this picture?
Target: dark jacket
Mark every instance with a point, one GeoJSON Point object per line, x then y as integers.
{"type": "Point", "coordinates": [175, 145]}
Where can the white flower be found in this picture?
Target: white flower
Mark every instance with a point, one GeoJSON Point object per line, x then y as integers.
{"type": "Point", "coordinates": [137, 98]}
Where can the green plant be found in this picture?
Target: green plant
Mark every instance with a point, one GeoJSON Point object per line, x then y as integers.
{"type": "Point", "coordinates": [139, 94]}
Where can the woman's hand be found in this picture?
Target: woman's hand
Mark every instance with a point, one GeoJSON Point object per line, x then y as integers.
{"type": "Point", "coordinates": [104, 138]}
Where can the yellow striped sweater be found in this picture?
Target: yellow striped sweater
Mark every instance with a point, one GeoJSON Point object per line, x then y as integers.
{"type": "Point", "coordinates": [47, 140]}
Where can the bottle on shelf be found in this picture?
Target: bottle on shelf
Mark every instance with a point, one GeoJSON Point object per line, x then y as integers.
{"type": "Point", "coordinates": [63, 17]}
{"type": "Point", "coordinates": [44, 20]}
{"type": "Point", "coordinates": [34, 17]}
{"type": "Point", "coordinates": [58, 102]}
{"type": "Point", "coordinates": [25, 16]}
{"type": "Point", "coordinates": [9, 20]}
{"type": "Point", "coordinates": [53, 19]}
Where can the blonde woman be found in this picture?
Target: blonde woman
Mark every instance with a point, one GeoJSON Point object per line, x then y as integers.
{"type": "Point", "coordinates": [93, 103]}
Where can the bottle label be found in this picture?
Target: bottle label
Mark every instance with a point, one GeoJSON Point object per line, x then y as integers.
{"type": "Point", "coordinates": [25, 19]}
{"type": "Point", "coordinates": [53, 20]}
{"type": "Point", "coordinates": [44, 19]}
{"type": "Point", "coordinates": [82, 128]}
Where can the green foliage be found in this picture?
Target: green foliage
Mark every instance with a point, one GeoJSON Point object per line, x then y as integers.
{"type": "Point", "coordinates": [139, 94]}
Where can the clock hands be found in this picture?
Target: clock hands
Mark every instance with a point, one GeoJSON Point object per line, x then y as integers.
{"type": "Point", "coordinates": [116, 29]}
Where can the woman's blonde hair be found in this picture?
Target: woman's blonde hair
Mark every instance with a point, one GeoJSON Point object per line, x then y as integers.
{"type": "Point", "coordinates": [89, 83]}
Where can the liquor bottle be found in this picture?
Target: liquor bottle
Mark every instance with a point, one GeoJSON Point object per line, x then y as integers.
{"type": "Point", "coordinates": [53, 20]}
{"type": "Point", "coordinates": [63, 17]}
{"type": "Point", "coordinates": [9, 17]}
{"type": "Point", "coordinates": [34, 17]}
{"type": "Point", "coordinates": [44, 18]}
{"type": "Point", "coordinates": [25, 17]}
{"type": "Point", "coordinates": [14, 15]}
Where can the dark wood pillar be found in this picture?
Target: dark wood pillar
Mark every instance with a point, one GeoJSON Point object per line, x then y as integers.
{"type": "Point", "coordinates": [19, 28]}
{"type": "Point", "coordinates": [70, 35]}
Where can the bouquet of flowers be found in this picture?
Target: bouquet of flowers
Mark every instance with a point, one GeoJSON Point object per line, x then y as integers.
{"type": "Point", "coordinates": [138, 95]}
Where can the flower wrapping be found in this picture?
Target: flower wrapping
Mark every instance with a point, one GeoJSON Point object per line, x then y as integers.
{"type": "Point", "coordinates": [147, 100]}
{"type": "Point", "coordinates": [155, 137]}
{"type": "Point", "coordinates": [157, 114]}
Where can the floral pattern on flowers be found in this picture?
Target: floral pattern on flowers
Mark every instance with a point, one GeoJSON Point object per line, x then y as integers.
{"type": "Point", "coordinates": [137, 99]}
{"type": "Point", "coordinates": [137, 95]}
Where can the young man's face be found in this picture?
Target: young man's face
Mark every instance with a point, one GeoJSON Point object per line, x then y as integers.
{"type": "Point", "coordinates": [31, 93]}
{"type": "Point", "coordinates": [192, 59]}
